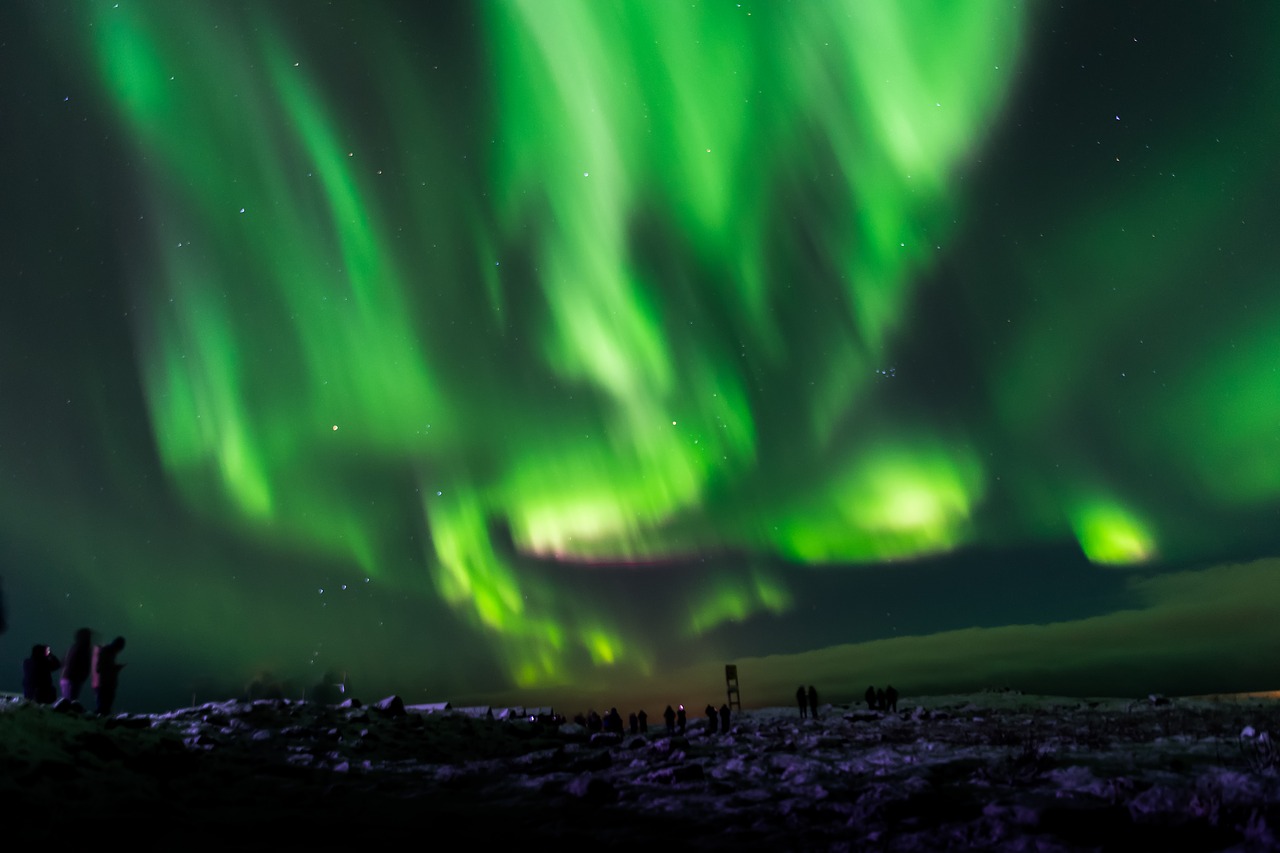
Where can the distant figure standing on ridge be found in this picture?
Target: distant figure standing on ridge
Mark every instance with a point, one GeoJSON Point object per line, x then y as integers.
{"type": "Point", "coordinates": [37, 675]}
{"type": "Point", "coordinates": [813, 701]}
{"type": "Point", "coordinates": [870, 696]}
{"type": "Point", "coordinates": [76, 665]}
{"type": "Point", "coordinates": [682, 719]}
{"type": "Point", "coordinates": [106, 674]}
{"type": "Point", "coordinates": [891, 699]}
{"type": "Point", "coordinates": [669, 716]}
{"type": "Point", "coordinates": [713, 718]}
{"type": "Point", "coordinates": [802, 701]}
{"type": "Point", "coordinates": [724, 718]}
{"type": "Point", "coordinates": [644, 721]}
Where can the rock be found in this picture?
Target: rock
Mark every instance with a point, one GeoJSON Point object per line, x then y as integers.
{"type": "Point", "coordinates": [594, 761]}
{"type": "Point", "coordinates": [592, 789]}
{"type": "Point", "coordinates": [124, 721]}
{"type": "Point", "coordinates": [669, 745]}
{"type": "Point", "coordinates": [678, 774]}
{"type": "Point", "coordinates": [606, 739]}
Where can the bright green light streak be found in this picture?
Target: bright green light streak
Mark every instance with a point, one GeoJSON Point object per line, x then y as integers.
{"type": "Point", "coordinates": [897, 501]}
{"type": "Point", "coordinates": [612, 114]}
{"type": "Point", "coordinates": [197, 378]}
{"type": "Point", "coordinates": [1111, 535]}
{"type": "Point", "coordinates": [732, 598]}
{"type": "Point", "coordinates": [286, 312]}
{"type": "Point", "coordinates": [1223, 421]}
{"type": "Point", "coordinates": [527, 617]}
{"type": "Point", "coordinates": [300, 314]}
{"type": "Point", "coordinates": [472, 575]}
{"type": "Point", "coordinates": [901, 101]}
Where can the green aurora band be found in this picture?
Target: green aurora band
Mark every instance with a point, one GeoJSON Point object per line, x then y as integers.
{"type": "Point", "coordinates": [567, 314]}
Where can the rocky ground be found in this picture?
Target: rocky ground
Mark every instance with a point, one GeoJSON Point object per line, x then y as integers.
{"type": "Point", "coordinates": [988, 771]}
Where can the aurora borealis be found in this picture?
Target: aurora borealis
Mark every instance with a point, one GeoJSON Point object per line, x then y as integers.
{"type": "Point", "coordinates": [523, 348]}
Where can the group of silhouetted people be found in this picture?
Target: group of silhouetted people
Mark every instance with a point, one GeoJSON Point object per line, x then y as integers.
{"type": "Point", "coordinates": [808, 701]}
{"type": "Point", "coordinates": [676, 720]}
{"type": "Point", "coordinates": [720, 716]}
{"type": "Point", "coordinates": [881, 698]}
{"type": "Point", "coordinates": [83, 662]}
{"type": "Point", "coordinates": [638, 722]}
{"type": "Point", "coordinates": [610, 722]}
{"type": "Point", "coordinates": [878, 699]}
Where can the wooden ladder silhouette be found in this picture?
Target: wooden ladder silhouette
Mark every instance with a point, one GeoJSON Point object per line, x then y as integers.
{"type": "Point", "coordinates": [731, 683]}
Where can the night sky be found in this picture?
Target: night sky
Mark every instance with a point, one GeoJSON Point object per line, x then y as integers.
{"type": "Point", "coordinates": [568, 350]}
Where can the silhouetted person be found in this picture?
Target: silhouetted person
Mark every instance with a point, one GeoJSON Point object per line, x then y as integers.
{"type": "Point", "coordinates": [28, 674]}
{"type": "Point", "coordinates": [713, 718]}
{"type": "Point", "coordinates": [813, 701]}
{"type": "Point", "coordinates": [106, 674]}
{"type": "Point", "coordinates": [891, 699]}
{"type": "Point", "coordinates": [870, 696]}
{"type": "Point", "coordinates": [803, 701]}
{"type": "Point", "coordinates": [724, 718]}
{"type": "Point", "coordinates": [881, 703]}
{"type": "Point", "coordinates": [77, 665]}
{"type": "Point", "coordinates": [37, 675]}
{"type": "Point", "coordinates": [682, 720]}
{"type": "Point", "coordinates": [634, 722]}
{"type": "Point", "coordinates": [330, 691]}
{"type": "Point", "coordinates": [644, 721]}
{"type": "Point", "coordinates": [594, 723]}
{"type": "Point", "coordinates": [670, 716]}
{"type": "Point", "coordinates": [613, 721]}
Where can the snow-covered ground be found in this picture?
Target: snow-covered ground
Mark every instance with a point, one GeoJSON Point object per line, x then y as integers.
{"type": "Point", "coordinates": [993, 770]}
